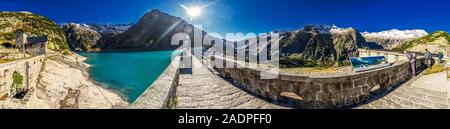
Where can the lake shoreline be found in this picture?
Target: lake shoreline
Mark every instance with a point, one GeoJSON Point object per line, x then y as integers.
{"type": "Point", "coordinates": [127, 73]}
{"type": "Point", "coordinates": [65, 83]}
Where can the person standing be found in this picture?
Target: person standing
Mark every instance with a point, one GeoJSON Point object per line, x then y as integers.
{"type": "Point", "coordinates": [412, 61]}
{"type": "Point", "coordinates": [441, 56]}
{"type": "Point", "coordinates": [428, 58]}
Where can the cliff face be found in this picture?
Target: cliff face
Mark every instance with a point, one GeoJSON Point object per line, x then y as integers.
{"type": "Point", "coordinates": [81, 37]}
{"type": "Point", "coordinates": [319, 46]}
{"type": "Point", "coordinates": [153, 32]}
{"type": "Point", "coordinates": [33, 25]}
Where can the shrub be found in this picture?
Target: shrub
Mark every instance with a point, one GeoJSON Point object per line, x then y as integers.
{"type": "Point", "coordinates": [17, 79]}
{"type": "Point", "coordinates": [66, 52]}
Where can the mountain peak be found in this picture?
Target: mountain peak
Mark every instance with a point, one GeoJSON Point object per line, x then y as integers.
{"type": "Point", "coordinates": [155, 11]}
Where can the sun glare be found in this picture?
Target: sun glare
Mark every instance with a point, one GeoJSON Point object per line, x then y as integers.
{"type": "Point", "coordinates": [192, 11]}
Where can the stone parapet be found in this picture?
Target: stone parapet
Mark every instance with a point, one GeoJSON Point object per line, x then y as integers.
{"type": "Point", "coordinates": [162, 92]}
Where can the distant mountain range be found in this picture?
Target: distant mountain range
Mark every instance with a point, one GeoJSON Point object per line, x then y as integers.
{"type": "Point", "coordinates": [313, 45]}
{"type": "Point", "coordinates": [110, 28]}
{"type": "Point", "coordinates": [393, 38]}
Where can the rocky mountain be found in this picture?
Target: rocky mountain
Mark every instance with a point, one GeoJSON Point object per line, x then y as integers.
{"type": "Point", "coordinates": [81, 37]}
{"type": "Point", "coordinates": [393, 38]}
{"type": "Point", "coordinates": [33, 25]}
{"type": "Point", "coordinates": [435, 42]}
{"type": "Point", "coordinates": [319, 46]}
{"type": "Point", "coordinates": [153, 32]}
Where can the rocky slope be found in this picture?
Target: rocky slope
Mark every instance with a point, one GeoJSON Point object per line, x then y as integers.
{"type": "Point", "coordinates": [81, 37]}
{"type": "Point", "coordinates": [152, 32]}
{"type": "Point", "coordinates": [319, 46]}
{"type": "Point", "coordinates": [393, 38]}
{"type": "Point", "coordinates": [32, 24]}
{"type": "Point", "coordinates": [435, 42]}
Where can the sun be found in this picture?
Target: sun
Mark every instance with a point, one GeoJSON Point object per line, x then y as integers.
{"type": "Point", "coordinates": [193, 12]}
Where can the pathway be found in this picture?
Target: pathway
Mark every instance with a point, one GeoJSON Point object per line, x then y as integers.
{"type": "Point", "coordinates": [422, 92]}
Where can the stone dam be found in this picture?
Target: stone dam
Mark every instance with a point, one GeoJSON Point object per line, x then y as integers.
{"type": "Point", "coordinates": [217, 88]}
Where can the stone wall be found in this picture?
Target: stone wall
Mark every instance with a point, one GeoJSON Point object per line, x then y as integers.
{"type": "Point", "coordinates": [29, 69]}
{"type": "Point", "coordinates": [316, 91]}
{"type": "Point", "coordinates": [162, 92]}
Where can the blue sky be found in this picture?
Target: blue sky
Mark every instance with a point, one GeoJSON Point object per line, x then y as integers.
{"type": "Point", "coordinates": [253, 15]}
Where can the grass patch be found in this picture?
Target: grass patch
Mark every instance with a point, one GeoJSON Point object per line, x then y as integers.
{"type": "Point", "coordinates": [173, 103]}
{"type": "Point", "coordinates": [7, 60]}
{"type": "Point", "coordinates": [4, 97]}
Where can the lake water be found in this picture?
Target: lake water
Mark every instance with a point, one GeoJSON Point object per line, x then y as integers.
{"type": "Point", "coordinates": [130, 73]}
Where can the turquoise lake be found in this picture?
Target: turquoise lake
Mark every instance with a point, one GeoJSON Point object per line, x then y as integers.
{"type": "Point", "coordinates": [130, 73]}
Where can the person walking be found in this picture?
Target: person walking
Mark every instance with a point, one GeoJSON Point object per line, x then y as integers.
{"type": "Point", "coordinates": [428, 58]}
{"type": "Point", "coordinates": [412, 60]}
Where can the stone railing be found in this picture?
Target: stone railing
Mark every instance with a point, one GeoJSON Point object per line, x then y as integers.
{"type": "Point", "coordinates": [162, 92]}
{"type": "Point", "coordinates": [320, 91]}
{"type": "Point", "coordinates": [29, 69]}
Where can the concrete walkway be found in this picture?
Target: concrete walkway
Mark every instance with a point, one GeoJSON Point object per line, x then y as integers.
{"type": "Point", "coordinates": [204, 89]}
{"type": "Point", "coordinates": [434, 82]}
{"type": "Point", "coordinates": [421, 92]}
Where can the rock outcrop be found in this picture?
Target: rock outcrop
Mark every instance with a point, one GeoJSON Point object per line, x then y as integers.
{"type": "Point", "coordinates": [81, 37]}
{"type": "Point", "coordinates": [393, 38]}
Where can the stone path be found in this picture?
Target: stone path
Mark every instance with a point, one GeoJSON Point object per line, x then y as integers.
{"type": "Point", "coordinates": [205, 89]}
{"type": "Point", "coordinates": [423, 92]}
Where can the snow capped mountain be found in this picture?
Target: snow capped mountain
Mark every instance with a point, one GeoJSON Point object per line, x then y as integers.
{"type": "Point", "coordinates": [325, 29]}
{"type": "Point", "coordinates": [111, 28]}
{"type": "Point", "coordinates": [396, 34]}
{"type": "Point", "coordinates": [102, 28]}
